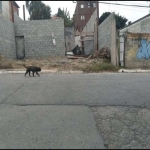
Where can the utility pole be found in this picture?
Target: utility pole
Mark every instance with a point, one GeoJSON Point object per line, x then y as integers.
{"type": "Point", "coordinates": [23, 12]}
{"type": "Point", "coordinates": [97, 13]}
{"type": "Point", "coordinates": [97, 21]}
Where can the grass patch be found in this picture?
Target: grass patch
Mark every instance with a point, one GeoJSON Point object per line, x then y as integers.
{"type": "Point", "coordinates": [99, 67]}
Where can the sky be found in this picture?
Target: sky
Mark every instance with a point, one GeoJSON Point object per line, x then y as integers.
{"type": "Point", "coordinates": [131, 13]}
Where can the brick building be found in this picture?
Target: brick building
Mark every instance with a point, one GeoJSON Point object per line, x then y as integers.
{"type": "Point", "coordinates": [82, 14]}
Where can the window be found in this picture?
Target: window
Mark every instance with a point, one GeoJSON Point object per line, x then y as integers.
{"type": "Point", "coordinates": [82, 17]}
{"type": "Point", "coordinates": [94, 4]}
{"type": "Point", "coordinates": [0, 6]}
{"type": "Point", "coordinates": [82, 6]}
{"type": "Point", "coordinates": [88, 5]}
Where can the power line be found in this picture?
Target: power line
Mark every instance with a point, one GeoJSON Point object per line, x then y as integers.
{"type": "Point", "coordinates": [132, 9]}
{"type": "Point", "coordinates": [115, 4]}
{"type": "Point", "coordinates": [139, 9]}
{"type": "Point", "coordinates": [129, 2]}
{"type": "Point", "coordinates": [124, 4]}
{"type": "Point", "coordinates": [118, 4]}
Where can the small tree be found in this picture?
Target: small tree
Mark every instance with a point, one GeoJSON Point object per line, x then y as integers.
{"type": "Point", "coordinates": [66, 16]}
{"type": "Point", "coordinates": [38, 10]}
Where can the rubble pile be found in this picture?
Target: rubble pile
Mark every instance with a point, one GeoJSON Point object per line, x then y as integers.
{"type": "Point", "coordinates": [102, 53]}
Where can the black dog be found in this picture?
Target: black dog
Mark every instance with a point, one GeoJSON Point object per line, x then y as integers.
{"type": "Point", "coordinates": [34, 69]}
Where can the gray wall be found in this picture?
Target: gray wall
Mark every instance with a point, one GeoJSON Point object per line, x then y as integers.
{"type": "Point", "coordinates": [135, 56]}
{"type": "Point", "coordinates": [0, 7]}
{"type": "Point", "coordinates": [38, 37]}
{"type": "Point", "coordinates": [128, 56]}
{"type": "Point", "coordinates": [7, 38]}
{"type": "Point", "coordinates": [104, 33]}
{"type": "Point", "coordinates": [90, 24]}
{"type": "Point", "coordinates": [107, 37]}
{"type": "Point", "coordinates": [17, 18]}
{"type": "Point", "coordinates": [5, 9]}
{"type": "Point", "coordinates": [138, 27]}
{"type": "Point", "coordinates": [145, 25]}
{"type": "Point", "coordinates": [69, 38]}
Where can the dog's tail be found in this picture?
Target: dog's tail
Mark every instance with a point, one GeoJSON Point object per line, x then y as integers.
{"type": "Point", "coordinates": [25, 66]}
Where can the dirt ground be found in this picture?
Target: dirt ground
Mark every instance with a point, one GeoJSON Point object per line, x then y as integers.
{"type": "Point", "coordinates": [57, 63]}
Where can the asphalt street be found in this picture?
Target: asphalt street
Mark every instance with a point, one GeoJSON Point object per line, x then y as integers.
{"type": "Point", "coordinates": [93, 89]}
{"type": "Point", "coordinates": [70, 110]}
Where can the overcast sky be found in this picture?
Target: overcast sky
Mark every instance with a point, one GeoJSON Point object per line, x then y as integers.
{"type": "Point", "coordinates": [131, 13]}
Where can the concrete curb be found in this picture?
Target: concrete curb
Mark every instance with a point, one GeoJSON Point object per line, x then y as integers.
{"type": "Point", "coordinates": [133, 71]}
{"type": "Point", "coordinates": [71, 72]}
{"type": "Point", "coordinates": [44, 71]}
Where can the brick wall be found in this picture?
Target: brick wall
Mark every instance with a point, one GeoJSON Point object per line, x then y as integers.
{"type": "Point", "coordinates": [135, 55]}
{"type": "Point", "coordinates": [7, 38]}
{"type": "Point", "coordinates": [38, 37]}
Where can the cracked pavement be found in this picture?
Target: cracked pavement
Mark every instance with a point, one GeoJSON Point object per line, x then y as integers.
{"type": "Point", "coordinates": [75, 111]}
{"type": "Point", "coordinates": [123, 127]}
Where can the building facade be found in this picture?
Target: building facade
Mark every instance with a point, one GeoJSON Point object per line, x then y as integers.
{"type": "Point", "coordinates": [82, 14]}
{"type": "Point", "coordinates": [6, 9]}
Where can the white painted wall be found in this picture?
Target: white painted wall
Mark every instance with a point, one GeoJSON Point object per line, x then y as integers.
{"type": "Point", "coordinates": [0, 7]}
{"type": "Point", "coordinates": [77, 42]}
{"type": "Point", "coordinates": [5, 9]}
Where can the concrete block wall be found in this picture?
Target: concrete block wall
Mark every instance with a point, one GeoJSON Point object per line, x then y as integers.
{"type": "Point", "coordinates": [133, 28]}
{"type": "Point", "coordinates": [69, 38]}
{"type": "Point", "coordinates": [90, 24]}
{"type": "Point", "coordinates": [38, 37]}
{"type": "Point", "coordinates": [142, 26]}
{"type": "Point", "coordinates": [7, 38]}
{"type": "Point", "coordinates": [135, 56]}
{"type": "Point", "coordinates": [17, 18]}
{"type": "Point", "coordinates": [104, 33]}
{"type": "Point", "coordinates": [131, 46]}
{"type": "Point", "coordinates": [107, 37]}
{"type": "Point", "coordinates": [145, 25]}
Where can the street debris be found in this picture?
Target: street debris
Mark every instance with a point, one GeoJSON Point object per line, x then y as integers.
{"type": "Point", "coordinates": [102, 53]}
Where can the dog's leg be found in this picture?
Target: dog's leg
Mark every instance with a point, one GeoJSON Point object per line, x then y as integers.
{"type": "Point", "coordinates": [26, 73]}
{"type": "Point", "coordinates": [33, 73]}
{"type": "Point", "coordinates": [37, 73]}
{"type": "Point", "coordinates": [29, 74]}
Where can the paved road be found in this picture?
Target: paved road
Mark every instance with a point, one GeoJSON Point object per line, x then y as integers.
{"type": "Point", "coordinates": [68, 111]}
{"type": "Point", "coordinates": [80, 89]}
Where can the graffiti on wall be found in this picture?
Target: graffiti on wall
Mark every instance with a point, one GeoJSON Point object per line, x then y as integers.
{"type": "Point", "coordinates": [144, 50]}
